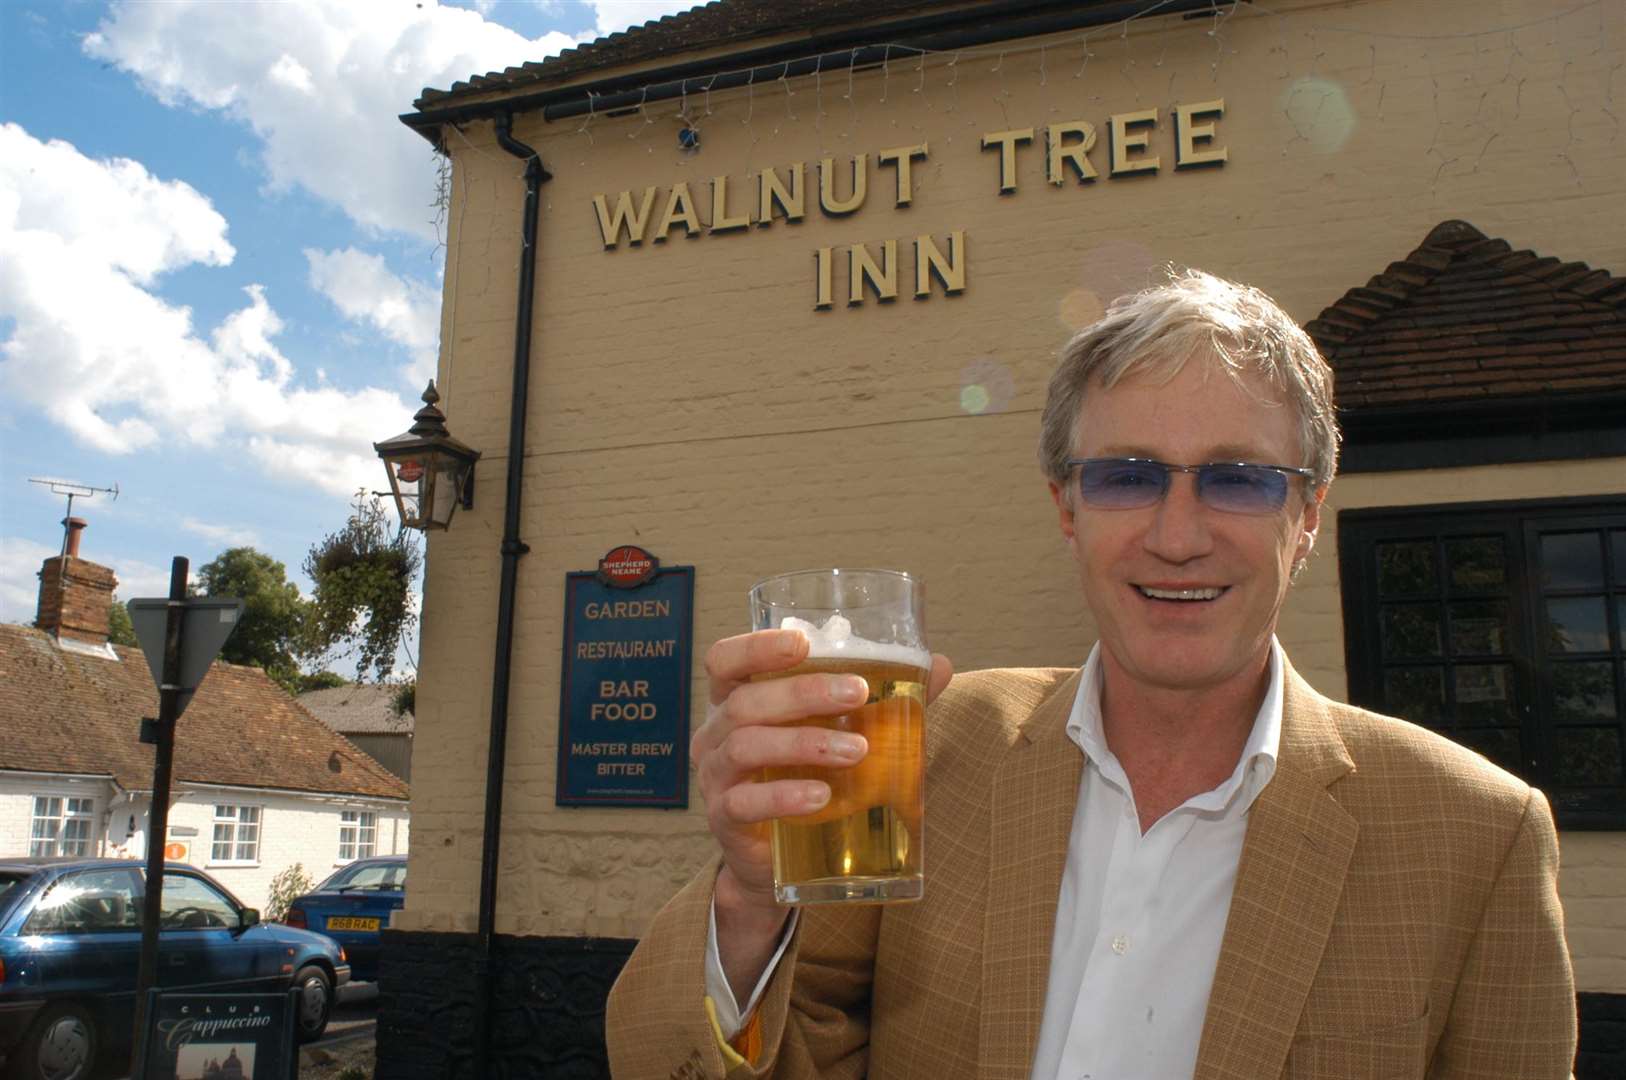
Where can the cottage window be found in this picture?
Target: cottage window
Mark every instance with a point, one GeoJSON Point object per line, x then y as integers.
{"type": "Point", "coordinates": [237, 835]}
{"type": "Point", "coordinates": [62, 825]}
{"type": "Point", "coordinates": [1502, 626]}
{"type": "Point", "coordinates": [358, 834]}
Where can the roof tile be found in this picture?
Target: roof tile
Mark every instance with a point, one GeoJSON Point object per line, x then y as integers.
{"type": "Point", "coordinates": [1528, 324]}
{"type": "Point", "coordinates": [68, 712]}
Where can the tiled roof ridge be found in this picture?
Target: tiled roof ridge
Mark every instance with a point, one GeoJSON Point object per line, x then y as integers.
{"type": "Point", "coordinates": [1452, 241]}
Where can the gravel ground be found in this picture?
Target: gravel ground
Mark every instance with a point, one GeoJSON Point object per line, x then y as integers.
{"type": "Point", "coordinates": [328, 1062]}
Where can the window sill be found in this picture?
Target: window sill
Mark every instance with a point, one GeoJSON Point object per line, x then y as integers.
{"type": "Point", "coordinates": [231, 865]}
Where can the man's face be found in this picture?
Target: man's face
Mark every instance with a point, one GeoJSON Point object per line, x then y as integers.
{"type": "Point", "coordinates": [1241, 563]}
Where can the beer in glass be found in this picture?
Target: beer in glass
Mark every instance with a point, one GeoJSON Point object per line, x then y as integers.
{"type": "Point", "coordinates": [864, 845]}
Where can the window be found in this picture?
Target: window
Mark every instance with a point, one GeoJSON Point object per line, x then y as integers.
{"type": "Point", "coordinates": [88, 901]}
{"type": "Point", "coordinates": [358, 834]}
{"type": "Point", "coordinates": [192, 904]}
{"type": "Point", "coordinates": [62, 825]}
{"type": "Point", "coordinates": [1502, 626]}
{"type": "Point", "coordinates": [237, 834]}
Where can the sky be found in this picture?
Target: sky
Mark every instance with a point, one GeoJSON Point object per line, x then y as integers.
{"type": "Point", "coordinates": [220, 265]}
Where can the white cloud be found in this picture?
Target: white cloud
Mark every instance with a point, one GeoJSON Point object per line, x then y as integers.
{"type": "Point", "coordinates": [19, 577]}
{"type": "Point", "coordinates": [363, 289]}
{"type": "Point", "coordinates": [20, 562]}
{"type": "Point", "coordinates": [321, 83]}
{"type": "Point", "coordinates": [614, 15]}
{"type": "Point", "coordinates": [228, 535]}
{"type": "Point", "coordinates": [120, 368]}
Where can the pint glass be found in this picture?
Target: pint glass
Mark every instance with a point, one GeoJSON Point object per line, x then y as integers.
{"type": "Point", "coordinates": [864, 845]}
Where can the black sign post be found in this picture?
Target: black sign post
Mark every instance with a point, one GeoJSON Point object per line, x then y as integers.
{"type": "Point", "coordinates": [179, 652]}
{"type": "Point", "coordinates": [624, 687]}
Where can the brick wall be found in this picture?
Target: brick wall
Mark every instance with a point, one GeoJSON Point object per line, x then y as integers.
{"type": "Point", "coordinates": [17, 792]}
{"type": "Point", "coordinates": [75, 603]}
{"type": "Point", "coordinates": [293, 829]}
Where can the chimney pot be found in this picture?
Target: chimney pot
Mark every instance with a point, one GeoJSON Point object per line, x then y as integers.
{"type": "Point", "coordinates": [76, 526]}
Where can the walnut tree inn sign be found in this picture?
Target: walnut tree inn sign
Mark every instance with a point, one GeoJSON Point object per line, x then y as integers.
{"type": "Point", "coordinates": [624, 694]}
{"type": "Point", "coordinates": [1133, 150]}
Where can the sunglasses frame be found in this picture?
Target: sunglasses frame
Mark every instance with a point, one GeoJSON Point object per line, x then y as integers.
{"type": "Point", "coordinates": [1195, 470]}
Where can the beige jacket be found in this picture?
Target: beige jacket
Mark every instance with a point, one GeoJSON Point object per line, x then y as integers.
{"type": "Point", "coordinates": [1395, 915]}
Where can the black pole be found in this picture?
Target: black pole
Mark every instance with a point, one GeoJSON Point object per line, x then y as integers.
{"type": "Point", "coordinates": [169, 695]}
{"type": "Point", "coordinates": [512, 548]}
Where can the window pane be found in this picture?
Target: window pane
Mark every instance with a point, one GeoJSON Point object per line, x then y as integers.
{"type": "Point", "coordinates": [1589, 757]}
{"type": "Point", "coordinates": [1485, 694]}
{"type": "Point", "coordinates": [1501, 746]}
{"type": "Point", "coordinates": [1477, 562]}
{"type": "Point", "coordinates": [1572, 560]}
{"type": "Point", "coordinates": [189, 904]}
{"type": "Point", "coordinates": [1406, 567]}
{"type": "Point", "coordinates": [1479, 627]}
{"type": "Point", "coordinates": [1415, 694]}
{"type": "Point", "coordinates": [1577, 624]}
{"type": "Point", "coordinates": [1411, 630]}
{"type": "Point", "coordinates": [1583, 693]}
{"type": "Point", "coordinates": [1617, 540]}
{"type": "Point", "coordinates": [1620, 623]}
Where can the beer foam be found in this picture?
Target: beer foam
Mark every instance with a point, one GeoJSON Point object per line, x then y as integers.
{"type": "Point", "coordinates": [835, 640]}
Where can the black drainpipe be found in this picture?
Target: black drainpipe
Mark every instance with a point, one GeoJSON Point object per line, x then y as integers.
{"type": "Point", "coordinates": [512, 548]}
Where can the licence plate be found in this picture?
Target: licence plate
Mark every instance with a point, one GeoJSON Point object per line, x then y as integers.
{"type": "Point", "coordinates": [352, 924]}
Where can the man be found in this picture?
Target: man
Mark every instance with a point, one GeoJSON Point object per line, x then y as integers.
{"type": "Point", "coordinates": [1180, 861]}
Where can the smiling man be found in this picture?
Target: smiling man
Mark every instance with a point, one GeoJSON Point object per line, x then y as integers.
{"type": "Point", "coordinates": [1176, 861]}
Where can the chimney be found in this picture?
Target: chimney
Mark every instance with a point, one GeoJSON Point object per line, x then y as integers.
{"type": "Point", "coordinates": [75, 594]}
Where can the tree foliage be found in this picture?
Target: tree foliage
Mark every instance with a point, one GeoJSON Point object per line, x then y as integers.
{"type": "Point", "coordinates": [270, 631]}
{"type": "Point", "coordinates": [119, 629]}
{"type": "Point", "coordinates": [404, 702]}
{"type": "Point", "coordinates": [363, 575]}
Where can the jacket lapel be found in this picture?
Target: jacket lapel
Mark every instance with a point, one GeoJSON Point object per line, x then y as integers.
{"type": "Point", "coordinates": [1288, 886]}
{"type": "Point", "coordinates": [1034, 795]}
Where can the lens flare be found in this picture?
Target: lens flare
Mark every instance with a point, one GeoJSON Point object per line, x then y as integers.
{"type": "Point", "coordinates": [1320, 113]}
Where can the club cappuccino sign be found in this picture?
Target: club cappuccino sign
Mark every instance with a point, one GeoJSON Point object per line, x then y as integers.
{"type": "Point", "coordinates": [1068, 149]}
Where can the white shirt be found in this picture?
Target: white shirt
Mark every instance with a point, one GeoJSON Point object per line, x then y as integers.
{"type": "Point", "coordinates": [1139, 919]}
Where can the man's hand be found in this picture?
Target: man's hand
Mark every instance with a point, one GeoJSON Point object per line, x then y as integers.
{"type": "Point", "coordinates": [751, 726]}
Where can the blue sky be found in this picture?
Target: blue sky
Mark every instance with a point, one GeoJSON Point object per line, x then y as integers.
{"type": "Point", "coordinates": [219, 272]}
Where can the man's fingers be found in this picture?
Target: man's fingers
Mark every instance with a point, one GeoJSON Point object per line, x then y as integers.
{"type": "Point", "coordinates": [942, 671]}
{"type": "Point", "coordinates": [734, 660]}
{"type": "Point", "coordinates": [750, 804]}
{"type": "Point", "coordinates": [749, 749]}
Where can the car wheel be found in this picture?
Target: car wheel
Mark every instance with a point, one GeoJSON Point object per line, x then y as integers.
{"type": "Point", "coordinates": [61, 1045]}
{"type": "Point", "coordinates": [315, 988]}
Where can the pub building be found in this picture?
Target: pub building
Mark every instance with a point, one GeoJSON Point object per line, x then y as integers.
{"type": "Point", "coordinates": [769, 286]}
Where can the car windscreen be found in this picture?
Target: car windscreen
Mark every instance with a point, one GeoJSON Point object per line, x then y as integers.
{"type": "Point", "coordinates": [369, 877]}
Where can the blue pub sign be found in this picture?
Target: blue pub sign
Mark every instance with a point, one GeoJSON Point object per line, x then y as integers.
{"type": "Point", "coordinates": [624, 685]}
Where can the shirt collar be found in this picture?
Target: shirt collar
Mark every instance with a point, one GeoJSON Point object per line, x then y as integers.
{"type": "Point", "coordinates": [1254, 768]}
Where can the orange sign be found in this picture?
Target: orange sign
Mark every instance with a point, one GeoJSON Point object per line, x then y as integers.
{"type": "Point", "coordinates": [176, 851]}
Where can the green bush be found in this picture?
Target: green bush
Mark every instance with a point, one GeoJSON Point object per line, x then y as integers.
{"type": "Point", "coordinates": [286, 887]}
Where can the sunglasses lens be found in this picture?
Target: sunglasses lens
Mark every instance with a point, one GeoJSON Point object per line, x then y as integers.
{"type": "Point", "coordinates": [1242, 489]}
{"type": "Point", "coordinates": [1121, 485]}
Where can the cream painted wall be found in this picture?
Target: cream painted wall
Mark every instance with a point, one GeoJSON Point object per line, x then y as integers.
{"type": "Point", "coordinates": [686, 396]}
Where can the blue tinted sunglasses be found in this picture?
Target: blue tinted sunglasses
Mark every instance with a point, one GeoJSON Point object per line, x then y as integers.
{"type": "Point", "coordinates": [1236, 487]}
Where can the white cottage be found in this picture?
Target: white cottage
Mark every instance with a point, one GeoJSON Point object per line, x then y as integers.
{"type": "Point", "coordinates": [259, 783]}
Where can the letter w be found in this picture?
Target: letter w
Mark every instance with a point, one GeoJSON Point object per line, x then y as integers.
{"type": "Point", "coordinates": [610, 226]}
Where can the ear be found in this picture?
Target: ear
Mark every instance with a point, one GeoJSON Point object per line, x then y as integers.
{"type": "Point", "coordinates": [1069, 527]}
{"type": "Point", "coordinates": [1309, 524]}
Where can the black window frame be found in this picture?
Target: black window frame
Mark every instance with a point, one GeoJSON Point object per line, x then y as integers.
{"type": "Point", "coordinates": [1520, 523]}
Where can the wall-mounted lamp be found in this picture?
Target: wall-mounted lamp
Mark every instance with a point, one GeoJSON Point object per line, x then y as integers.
{"type": "Point", "coordinates": [430, 472]}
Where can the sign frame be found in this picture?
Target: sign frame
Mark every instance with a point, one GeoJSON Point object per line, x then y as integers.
{"type": "Point", "coordinates": [157, 1059]}
{"type": "Point", "coordinates": [674, 794]}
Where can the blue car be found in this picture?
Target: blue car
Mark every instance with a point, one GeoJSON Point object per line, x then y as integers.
{"type": "Point", "coordinates": [353, 906]}
{"type": "Point", "coordinates": [70, 950]}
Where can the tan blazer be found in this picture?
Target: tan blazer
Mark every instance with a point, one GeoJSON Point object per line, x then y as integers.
{"type": "Point", "coordinates": [1395, 915]}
